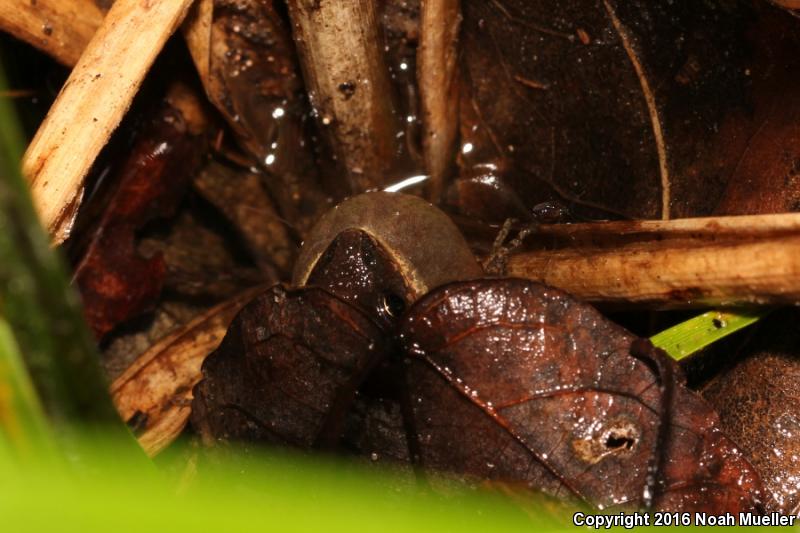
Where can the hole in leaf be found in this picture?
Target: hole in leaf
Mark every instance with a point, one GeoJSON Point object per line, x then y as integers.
{"type": "Point", "coordinates": [615, 441]}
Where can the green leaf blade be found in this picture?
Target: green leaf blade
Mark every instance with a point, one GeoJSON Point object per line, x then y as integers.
{"type": "Point", "coordinates": [689, 337]}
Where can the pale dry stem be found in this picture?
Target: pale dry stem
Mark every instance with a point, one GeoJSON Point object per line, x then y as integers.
{"type": "Point", "coordinates": [664, 264]}
{"type": "Point", "coordinates": [92, 103]}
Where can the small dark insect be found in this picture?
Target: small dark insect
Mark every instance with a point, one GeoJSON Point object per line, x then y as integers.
{"type": "Point", "coordinates": [503, 381]}
{"type": "Point", "coordinates": [550, 213]}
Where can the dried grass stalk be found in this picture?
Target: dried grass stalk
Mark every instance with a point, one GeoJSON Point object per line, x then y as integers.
{"type": "Point", "coordinates": [92, 103]}
{"type": "Point", "coordinates": [154, 394]}
{"type": "Point", "coordinates": [437, 76]}
{"type": "Point", "coordinates": [59, 28]}
{"type": "Point", "coordinates": [681, 263]}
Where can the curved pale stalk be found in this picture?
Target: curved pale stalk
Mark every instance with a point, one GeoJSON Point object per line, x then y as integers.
{"type": "Point", "coordinates": [92, 103]}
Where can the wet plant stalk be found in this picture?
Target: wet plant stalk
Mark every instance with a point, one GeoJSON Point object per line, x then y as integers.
{"type": "Point", "coordinates": [348, 84]}
{"type": "Point", "coordinates": [437, 76]}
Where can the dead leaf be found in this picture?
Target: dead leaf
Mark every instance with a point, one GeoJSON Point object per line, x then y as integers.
{"type": "Point", "coordinates": [625, 109]}
{"type": "Point", "coordinates": [115, 282]}
{"type": "Point", "coordinates": [758, 400]}
{"type": "Point", "coordinates": [254, 81]}
{"type": "Point", "coordinates": [287, 371]}
{"type": "Point", "coordinates": [154, 394]}
{"type": "Point", "coordinates": [518, 382]}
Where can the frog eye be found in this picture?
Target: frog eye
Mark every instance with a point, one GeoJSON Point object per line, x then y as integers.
{"type": "Point", "coordinates": [392, 305]}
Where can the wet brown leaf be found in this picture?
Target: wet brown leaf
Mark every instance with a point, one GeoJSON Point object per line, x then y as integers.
{"type": "Point", "coordinates": [115, 282]}
{"type": "Point", "coordinates": [514, 381]}
{"type": "Point", "coordinates": [758, 400]}
{"type": "Point", "coordinates": [286, 371]}
{"type": "Point", "coordinates": [765, 165]}
{"type": "Point", "coordinates": [624, 109]}
{"type": "Point", "coordinates": [254, 80]}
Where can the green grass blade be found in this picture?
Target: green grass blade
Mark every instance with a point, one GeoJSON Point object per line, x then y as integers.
{"type": "Point", "coordinates": [42, 312]}
{"type": "Point", "coordinates": [696, 333]}
{"type": "Point", "coordinates": [24, 432]}
{"type": "Point", "coordinates": [286, 493]}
